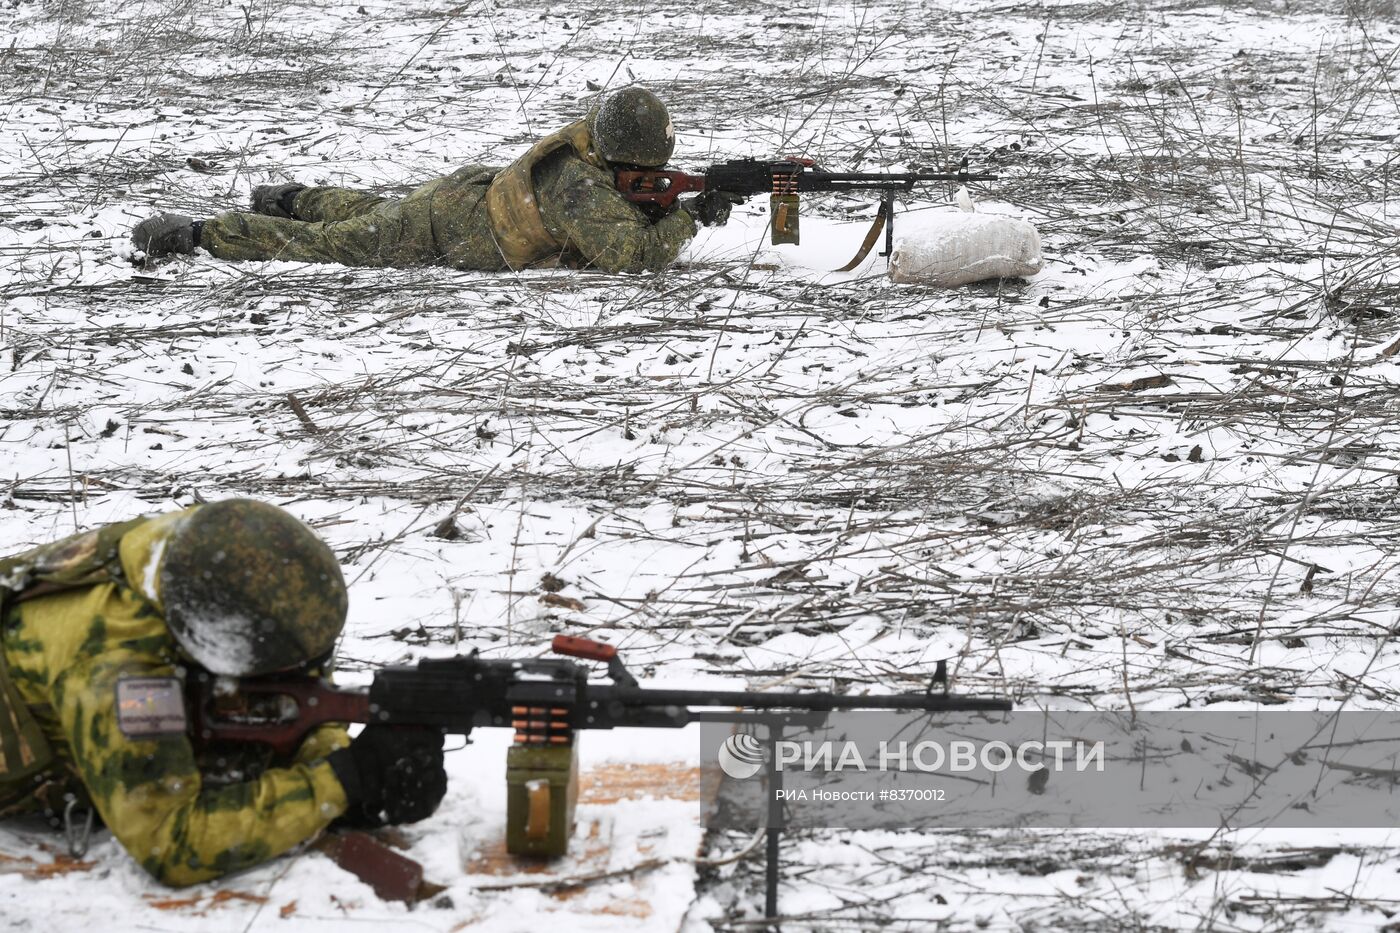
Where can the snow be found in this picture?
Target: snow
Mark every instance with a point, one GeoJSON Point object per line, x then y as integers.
{"type": "Point", "coordinates": [220, 640]}
{"type": "Point", "coordinates": [1162, 471]}
{"type": "Point", "coordinates": [150, 574]}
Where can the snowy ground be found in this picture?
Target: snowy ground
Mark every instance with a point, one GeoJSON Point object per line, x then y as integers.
{"type": "Point", "coordinates": [1162, 473]}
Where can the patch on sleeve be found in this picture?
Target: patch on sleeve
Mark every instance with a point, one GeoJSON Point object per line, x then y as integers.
{"type": "Point", "coordinates": [150, 706]}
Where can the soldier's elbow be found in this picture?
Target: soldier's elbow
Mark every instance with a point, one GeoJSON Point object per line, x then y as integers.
{"type": "Point", "coordinates": [614, 263]}
{"type": "Point", "coordinates": [173, 864]}
{"type": "Point", "coordinates": [633, 262]}
{"type": "Point", "coordinates": [173, 874]}
{"type": "Point", "coordinates": [654, 263]}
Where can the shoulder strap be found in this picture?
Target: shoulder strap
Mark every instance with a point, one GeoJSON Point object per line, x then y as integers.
{"type": "Point", "coordinates": [78, 560]}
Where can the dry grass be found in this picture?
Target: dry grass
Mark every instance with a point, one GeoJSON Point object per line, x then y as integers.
{"type": "Point", "coordinates": [1169, 463]}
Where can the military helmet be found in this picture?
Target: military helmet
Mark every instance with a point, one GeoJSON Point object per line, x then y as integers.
{"type": "Point", "coordinates": [632, 126]}
{"type": "Point", "coordinates": [248, 589]}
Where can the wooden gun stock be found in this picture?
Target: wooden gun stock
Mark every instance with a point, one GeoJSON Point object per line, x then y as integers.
{"type": "Point", "coordinates": [657, 187]}
{"type": "Point", "coordinates": [275, 713]}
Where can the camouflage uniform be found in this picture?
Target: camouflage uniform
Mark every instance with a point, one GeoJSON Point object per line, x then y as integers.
{"type": "Point", "coordinates": [79, 617]}
{"type": "Point", "coordinates": [556, 205]}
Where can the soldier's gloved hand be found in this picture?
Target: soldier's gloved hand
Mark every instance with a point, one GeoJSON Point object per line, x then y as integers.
{"type": "Point", "coordinates": [275, 200]}
{"type": "Point", "coordinates": [711, 208]}
{"type": "Point", "coordinates": [391, 775]}
{"type": "Point", "coordinates": [164, 234]}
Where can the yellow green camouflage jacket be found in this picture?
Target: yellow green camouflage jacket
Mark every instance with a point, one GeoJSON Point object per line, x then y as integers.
{"type": "Point", "coordinates": [78, 620]}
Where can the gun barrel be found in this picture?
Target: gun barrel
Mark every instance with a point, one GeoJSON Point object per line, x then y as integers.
{"type": "Point", "coordinates": [868, 181]}
{"type": "Point", "coordinates": [817, 702]}
{"type": "Point", "coordinates": [895, 177]}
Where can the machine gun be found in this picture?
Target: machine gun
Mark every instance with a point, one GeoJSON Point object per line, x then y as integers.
{"type": "Point", "coordinates": [547, 701]}
{"type": "Point", "coordinates": [784, 180]}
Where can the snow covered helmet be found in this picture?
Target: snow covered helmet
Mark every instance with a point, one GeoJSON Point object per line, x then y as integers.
{"type": "Point", "coordinates": [248, 589]}
{"type": "Point", "coordinates": [632, 126]}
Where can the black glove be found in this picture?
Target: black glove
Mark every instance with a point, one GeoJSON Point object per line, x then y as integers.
{"type": "Point", "coordinates": [164, 234]}
{"type": "Point", "coordinates": [391, 775]}
{"type": "Point", "coordinates": [275, 200]}
{"type": "Point", "coordinates": [711, 208]}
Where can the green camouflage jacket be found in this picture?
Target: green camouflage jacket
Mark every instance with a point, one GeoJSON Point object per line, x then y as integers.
{"type": "Point", "coordinates": [72, 657]}
{"type": "Point", "coordinates": [447, 222]}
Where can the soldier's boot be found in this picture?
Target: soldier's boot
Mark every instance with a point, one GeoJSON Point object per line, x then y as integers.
{"type": "Point", "coordinates": [166, 234]}
{"type": "Point", "coordinates": [275, 200]}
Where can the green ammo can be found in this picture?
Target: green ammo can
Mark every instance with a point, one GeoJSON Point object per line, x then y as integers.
{"type": "Point", "coordinates": [541, 791]}
{"type": "Point", "coordinates": [785, 228]}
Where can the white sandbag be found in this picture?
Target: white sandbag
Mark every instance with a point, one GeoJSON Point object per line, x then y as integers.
{"type": "Point", "coordinates": [958, 248]}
